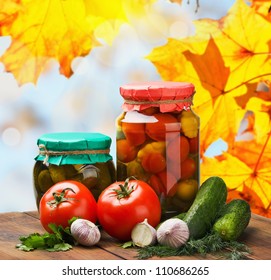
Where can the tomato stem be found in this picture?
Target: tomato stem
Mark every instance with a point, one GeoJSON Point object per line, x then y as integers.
{"type": "Point", "coordinates": [124, 190]}
{"type": "Point", "coordinates": [59, 197]}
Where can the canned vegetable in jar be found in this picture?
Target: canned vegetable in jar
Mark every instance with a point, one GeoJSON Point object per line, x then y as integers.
{"type": "Point", "coordinates": [157, 141]}
{"type": "Point", "coordinates": [83, 157]}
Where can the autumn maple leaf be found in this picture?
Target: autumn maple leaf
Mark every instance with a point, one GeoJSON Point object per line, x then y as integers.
{"type": "Point", "coordinates": [42, 30]}
{"type": "Point", "coordinates": [246, 169]}
{"type": "Point", "coordinates": [58, 29]}
{"type": "Point", "coordinates": [208, 65]}
{"type": "Point", "coordinates": [245, 166]}
{"type": "Point", "coordinates": [242, 46]}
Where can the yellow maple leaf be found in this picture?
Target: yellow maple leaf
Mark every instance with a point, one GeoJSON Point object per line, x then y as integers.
{"type": "Point", "coordinates": [246, 168]}
{"type": "Point", "coordinates": [57, 29]}
{"type": "Point", "coordinates": [243, 43]}
{"type": "Point", "coordinates": [42, 30]}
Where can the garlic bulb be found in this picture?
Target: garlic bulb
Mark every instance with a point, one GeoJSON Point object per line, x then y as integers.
{"type": "Point", "coordinates": [85, 232]}
{"type": "Point", "coordinates": [173, 233]}
{"type": "Point", "coordinates": [143, 234]}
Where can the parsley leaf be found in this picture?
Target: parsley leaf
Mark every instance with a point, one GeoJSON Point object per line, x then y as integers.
{"type": "Point", "coordinates": [60, 247]}
{"type": "Point", "coordinates": [60, 240]}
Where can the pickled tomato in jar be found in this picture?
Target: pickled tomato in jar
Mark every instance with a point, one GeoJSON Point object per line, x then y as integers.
{"type": "Point", "coordinates": [157, 141]}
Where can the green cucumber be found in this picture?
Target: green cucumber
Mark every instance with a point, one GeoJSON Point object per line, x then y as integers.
{"type": "Point", "coordinates": [180, 216]}
{"type": "Point", "coordinates": [234, 219]}
{"type": "Point", "coordinates": [210, 199]}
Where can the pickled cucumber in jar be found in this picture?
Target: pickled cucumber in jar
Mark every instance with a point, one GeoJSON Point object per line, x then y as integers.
{"type": "Point", "coordinates": [83, 157]}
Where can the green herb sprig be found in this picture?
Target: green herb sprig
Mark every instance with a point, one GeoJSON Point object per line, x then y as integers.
{"type": "Point", "coordinates": [211, 243]}
{"type": "Point", "coordinates": [60, 240]}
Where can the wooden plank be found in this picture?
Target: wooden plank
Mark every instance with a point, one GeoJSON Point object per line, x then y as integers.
{"type": "Point", "coordinates": [18, 224]}
{"type": "Point", "coordinates": [34, 214]}
{"type": "Point", "coordinates": [257, 237]}
{"type": "Point", "coordinates": [13, 225]}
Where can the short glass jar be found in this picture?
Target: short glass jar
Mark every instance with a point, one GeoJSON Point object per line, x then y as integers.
{"type": "Point", "coordinates": [157, 141]}
{"type": "Point", "coordinates": [83, 157]}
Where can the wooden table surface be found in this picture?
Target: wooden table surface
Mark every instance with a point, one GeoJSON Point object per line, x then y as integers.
{"type": "Point", "coordinates": [15, 224]}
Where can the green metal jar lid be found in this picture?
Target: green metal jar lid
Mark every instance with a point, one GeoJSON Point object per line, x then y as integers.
{"type": "Point", "coordinates": [74, 148]}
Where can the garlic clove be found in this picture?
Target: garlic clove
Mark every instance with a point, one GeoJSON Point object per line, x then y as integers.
{"type": "Point", "coordinates": [85, 232]}
{"type": "Point", "coordinates": [143, 234]}
{"type": "Point", "coordinates": [173, 233]}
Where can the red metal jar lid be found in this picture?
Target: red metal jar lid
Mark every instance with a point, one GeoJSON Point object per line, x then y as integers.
{"type": "Point", "coordinates": [168, 96]}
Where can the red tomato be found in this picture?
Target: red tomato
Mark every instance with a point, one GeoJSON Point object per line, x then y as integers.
{"type": "Point", "coordinates": [188, 168]}
{"type": "Point", "coordinates": [134, 133]}
{"type": "Point", "coordinates": [163, 183]}
{"type": "Point", "coordinates": [121, 208]}
{"type": "Point", "coordinates": [153, 162]}
{"type": "Point", "coordinates": [65, 200]}
{"type": "Point", "coordinates": [165, 125]}
{"type": "Point", "coordinates": [168, 180]}
{"type": "Point", "coordinates": [125, 151]}
{"type": "Point", "coordinates": [185, 170]}
{"type": "Point", "coordinates": [178, 149]}
{"type": "Point", "coordinates": [194, 145]}
{"type": "Point", "coordinates": [157, 185]}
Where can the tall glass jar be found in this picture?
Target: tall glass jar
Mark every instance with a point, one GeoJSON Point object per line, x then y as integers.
{"type": "Point", "coordinates": [157, 141]}
{"type": "Point", "coordinates": [83, 157]}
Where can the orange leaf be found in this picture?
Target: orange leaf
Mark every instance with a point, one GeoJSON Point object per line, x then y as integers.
{"type": "Point", "coordinates": [261, 90]}
{"type": "Point", "coordinates": [209, 65]}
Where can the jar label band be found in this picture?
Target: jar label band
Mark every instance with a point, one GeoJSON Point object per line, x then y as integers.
{"type": "Point", "coordinates": [44, 152]}
{"type": "Point", "coordinates": [172, 101]}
